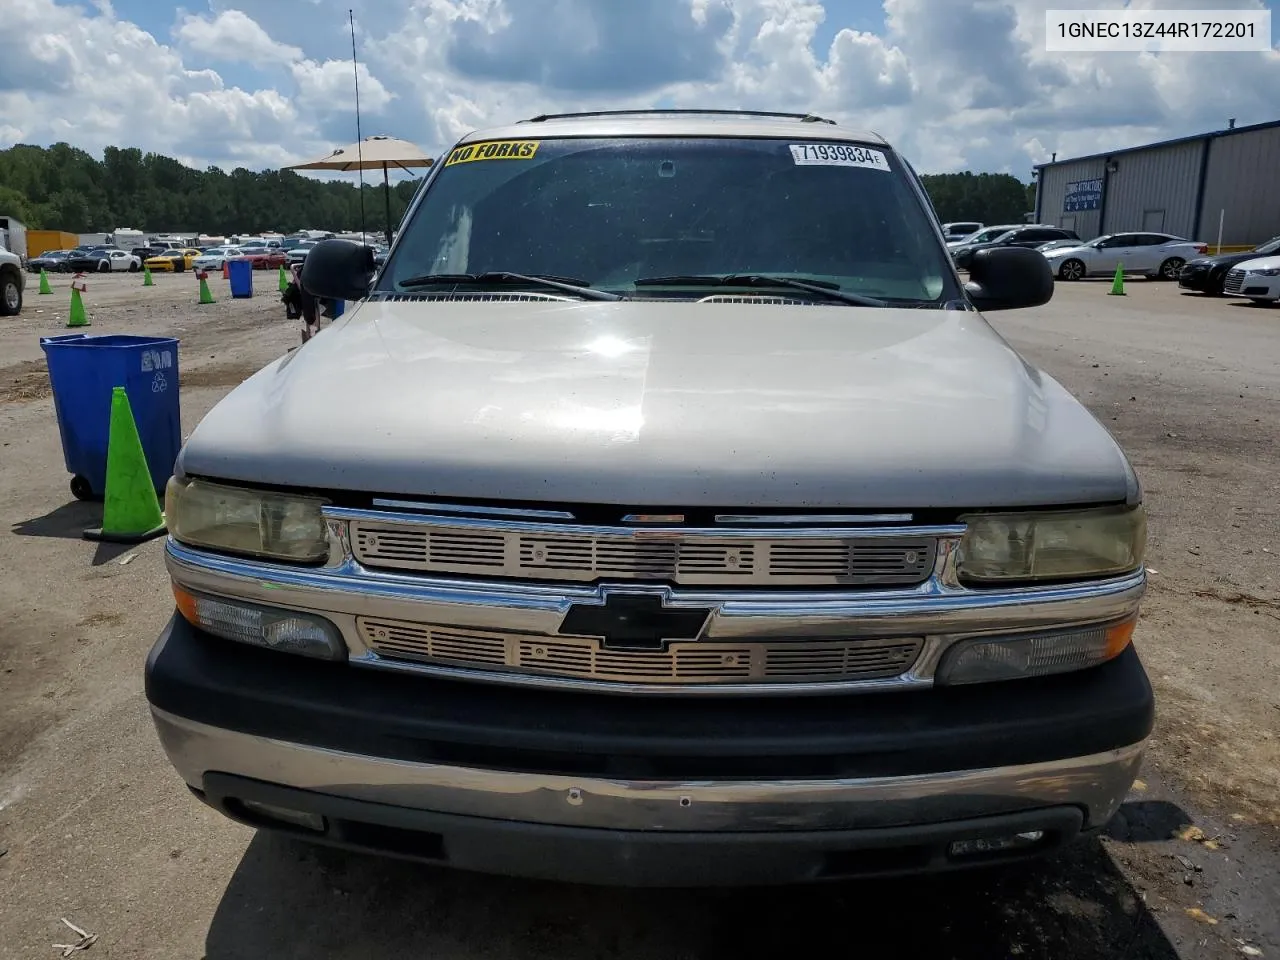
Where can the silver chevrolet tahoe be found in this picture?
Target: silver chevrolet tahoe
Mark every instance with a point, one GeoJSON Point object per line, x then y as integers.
{"type": "Point", "coordinates": [664, 512]}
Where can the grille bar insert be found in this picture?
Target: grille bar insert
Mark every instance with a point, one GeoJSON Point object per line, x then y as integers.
{"type": "Point", "coordinates": [695, 557]}
{"type": "Point", "coordinates": [692, 662]}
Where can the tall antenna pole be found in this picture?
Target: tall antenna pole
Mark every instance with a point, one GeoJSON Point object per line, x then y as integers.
{"type": "Point", "coordinates": [355, 71]}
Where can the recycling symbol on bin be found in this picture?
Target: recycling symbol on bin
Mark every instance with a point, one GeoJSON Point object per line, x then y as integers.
{"type": "Point", "coordinates": [159, 384]}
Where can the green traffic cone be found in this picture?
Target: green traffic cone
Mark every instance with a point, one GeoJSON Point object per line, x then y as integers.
{"type": "Point", "coordinates": [131, 510]}
{"type": "Point", "coordinates": [77, 318]}
{"type": "Point", "coordinates": [44, 282]}
{"type": "Point", "coordinates": [205, 295]}
{"type": "Point", "coordinates": [146, 277]}
{"type": "Point", "coordinates": [1117, 285]}
{"type": "Point", "coordinates": [284, 280]}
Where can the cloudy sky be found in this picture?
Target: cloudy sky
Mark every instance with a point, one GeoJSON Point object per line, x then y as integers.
{"type": "Point", "coordinates": [955, 84]}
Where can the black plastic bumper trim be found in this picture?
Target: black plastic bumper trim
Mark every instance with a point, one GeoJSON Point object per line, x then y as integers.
{"type": "Point", "coordinates": [427, 720]}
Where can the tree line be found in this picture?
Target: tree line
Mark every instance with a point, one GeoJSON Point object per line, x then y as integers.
{"type": "Point", "coordinates": [64, 188]}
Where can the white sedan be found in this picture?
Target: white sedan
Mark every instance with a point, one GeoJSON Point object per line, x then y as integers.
{"type": "Point", "coordinates": [1154, 254]}
{"type": "Point", "coordinates": [118, 260]}
{"type": "Point", "coordinates": [985, 235]}
{"type": "Point", "coordinates": [214, 258]}
{"type": "Point", "coordinates": [1259, 280]}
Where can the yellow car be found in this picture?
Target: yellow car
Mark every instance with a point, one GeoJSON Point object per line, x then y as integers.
{"type": "Point", "coordinates": [175, 260]}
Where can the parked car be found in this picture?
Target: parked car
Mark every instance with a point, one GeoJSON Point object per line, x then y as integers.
{"type": "Point", "coordinates": [960, 229]}
{"type": "Point", "coordinates": [1025, 236]}
{"type": "Point", "coordinates": [12, 283]}
{"type": "Point", "coordinates": [175, 261]}
{"type": "Point", "coordinates": [1209, 274]}
{"type": "Point", "coordinates": [298, 252]}
{"type": "Point", "coordinates": [1259, 280]}
{"type": "Point", "coordinates": [102, 260]}
{"type": "Point", "coordinates": [122, 260]}
{"type": "Point", "coordinates": [1157, 255]}
{"type": "Point", "coordinates": [522, 569]}
{"type": "Point", "coordinates": [51, 261]}
{"type": "Point", "coordinates": [1058, 244]}
{"type": "Point", "coordinates": [984, 235]}
{"type": "Point", "coordinates": [263, 257]}
{"type": "Point", "coordinates": [215, 257]}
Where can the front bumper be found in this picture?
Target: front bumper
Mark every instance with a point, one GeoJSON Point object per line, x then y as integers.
{"type": "Point", "coordinates": [636, 791]}
{"type": "Point", "coordinates": [1260, 288]}
{"type": "Point", "coordinates": [1194, 278]}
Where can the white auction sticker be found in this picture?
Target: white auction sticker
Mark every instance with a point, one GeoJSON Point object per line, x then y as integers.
{"type": "Point", "coordinates": [838, 155]}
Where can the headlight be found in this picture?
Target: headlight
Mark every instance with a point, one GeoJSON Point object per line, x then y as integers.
{"type": "Point", "coordinates": [1269, 272]}
{"type": "Point", "coordinates": [275, 628]}
{"type": "Point", "coordinates": [275, 526]}
{"type": "Point", "coordinates": [984, 659]}
{"type": "Point", "coordinates": [1056, 545]}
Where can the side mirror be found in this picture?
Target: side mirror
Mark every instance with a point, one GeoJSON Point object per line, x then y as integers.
{"type": "Point", "coordinates": [338, 270]}
{"type": "Point", "coordinates": [1006, 278]}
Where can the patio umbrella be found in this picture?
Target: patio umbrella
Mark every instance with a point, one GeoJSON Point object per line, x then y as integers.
{"type": "Point", "coordinates": [372, 153]}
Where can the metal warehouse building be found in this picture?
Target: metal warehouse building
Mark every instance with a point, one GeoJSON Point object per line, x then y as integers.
{"type": "Point", "coordinates": [1184, 187]}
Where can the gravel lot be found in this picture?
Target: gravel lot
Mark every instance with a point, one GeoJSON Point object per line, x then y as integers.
{"type": "Point", "coordinates": [96, 827]}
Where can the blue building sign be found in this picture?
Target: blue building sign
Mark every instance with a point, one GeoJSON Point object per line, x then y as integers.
{"type": "Point", "coordinates": [1082, 195]}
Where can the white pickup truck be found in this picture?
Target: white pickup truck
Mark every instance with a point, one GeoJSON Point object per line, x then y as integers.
{"type": "Point", "coordinates": [11, 283]}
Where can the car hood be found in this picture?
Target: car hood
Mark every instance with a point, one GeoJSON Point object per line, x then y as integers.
{"type": "Point", "coordinates": [1260, 263]}
{"type": "Point", "coordinates": [1222, 260]}
{"type": "Point", "coordinates": [974, 247]}
{"type": "Point", "coordinates": [671, 403]}
{"type": "Point", "coordinates": [1064, 251]}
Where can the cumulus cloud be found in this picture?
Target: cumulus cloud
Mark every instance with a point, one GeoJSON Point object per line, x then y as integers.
{"type": "Point", "coordinates": [231, 36]}
{"type": "Point", "coordinates": [572, 45]}
{"type": "Point", "coordinates": [118, 85]}
{"type": "Point", "coordinates": [954, 85]}
{"type": "Point", "coordinates": [330, 86]}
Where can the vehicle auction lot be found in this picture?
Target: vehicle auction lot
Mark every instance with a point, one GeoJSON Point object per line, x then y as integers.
{"type": "Point", "coordinates": [98, 829]}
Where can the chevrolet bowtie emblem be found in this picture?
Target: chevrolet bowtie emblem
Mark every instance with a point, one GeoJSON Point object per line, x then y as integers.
{"type": "Point", "coordinates": [634, 621]}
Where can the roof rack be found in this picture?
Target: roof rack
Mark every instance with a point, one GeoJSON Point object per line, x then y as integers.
{"type": "Point", "coordinates": [802, 117]}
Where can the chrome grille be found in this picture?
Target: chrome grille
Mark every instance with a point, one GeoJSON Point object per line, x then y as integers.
{"type": "Point", "coordinates": [684, 557]}
{"type": "Point", "coordinates": [1234, 281]}
{"type": "Point", "coordinates": [692, 662]}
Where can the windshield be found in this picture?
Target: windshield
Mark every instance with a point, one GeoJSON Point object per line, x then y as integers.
{"type": "Point", "coordinates": [1271, 246]}
{"type": "Point", "coordinates": [609, 212]}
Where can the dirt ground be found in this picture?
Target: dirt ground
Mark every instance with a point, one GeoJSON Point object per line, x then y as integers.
{"type": "Point", "coordinates": [96, 828]}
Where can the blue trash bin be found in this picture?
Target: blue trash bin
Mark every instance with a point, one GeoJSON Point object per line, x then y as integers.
{"type": "Point", "coordinates": [82, 371]}
{"type": "Point", "coordinates": [241, 275]}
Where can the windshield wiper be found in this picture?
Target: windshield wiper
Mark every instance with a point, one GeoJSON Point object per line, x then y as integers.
{"type": "Point", "coordinates": [567, 284]}
{"type": "Point", "coordinates": [820, 287]}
